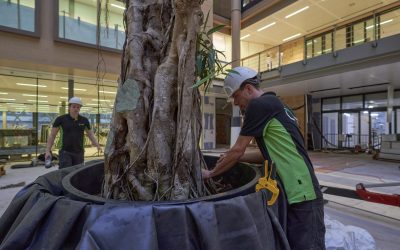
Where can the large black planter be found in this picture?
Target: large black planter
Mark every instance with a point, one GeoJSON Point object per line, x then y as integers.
{"type": "Point", "coordinates": [85, 183]}
{"type": "Point", "coordinates": [49, 215]}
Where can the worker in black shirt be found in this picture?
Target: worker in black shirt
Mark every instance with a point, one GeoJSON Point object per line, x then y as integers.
{"type": "Point", "coordinates": [279, 139]}
{"type": "Point", "coordinates": [72, 127]}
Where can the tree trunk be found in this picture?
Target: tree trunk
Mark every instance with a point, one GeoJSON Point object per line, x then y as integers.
{"type": "Point", "coordinates": [152, 150]}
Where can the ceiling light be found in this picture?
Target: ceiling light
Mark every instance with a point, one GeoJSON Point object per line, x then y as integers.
{"type": "Point", "coordinates": [31, 85]}
{"type": "Point", "coordinates": [117, 6]}
{"type": "Point", "coordinates": [374, 114]}
{"type": "Point", "coordinates": [107, 92]}
{"type": "Point", "coordinates": [291, 37]}
{"type": "Point", "coordinates": [381, 23]}
{"type": "Point", "coordinates": [297, 12]}
{"type": "Point", "coordinates": [3, 93]}
{"type": "Point", "coordinates": [63, 97]}
{"type": "Point", "coordinates": [101, 100]}
{"type": "Point", "coordinates": [7, 99]}
{"type": "Point", "coordinates": [34, 95]}
{"type": "Point", "coordinates": [75, 89]}
{"type": "Point", "coordinates": [346, 114]}
{"type": "Point", "coordinates": [365, 112]}
{"type": "Point", "coordinates": [246, 36]}
{"type": "Point", "coordinates": [266, 26]}
{"type": "Point", "coordinates": [36, 101]}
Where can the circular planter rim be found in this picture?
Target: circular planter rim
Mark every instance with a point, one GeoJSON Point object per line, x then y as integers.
{"type": "Point", "coordinates": [76, 193]}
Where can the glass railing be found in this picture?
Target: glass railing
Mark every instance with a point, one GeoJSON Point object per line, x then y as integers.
{"type": "Point", "coordinates": [18, 14]}
{"type": "Point", "coordinates": [371, 29]}
{"type": "Point", "coordinates": [77, 30]}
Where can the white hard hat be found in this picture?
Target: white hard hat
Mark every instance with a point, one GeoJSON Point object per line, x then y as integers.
{"type": "Point", "coordinates": [75, 100]}
{"type": "Point", "coordinates": [234, 79]}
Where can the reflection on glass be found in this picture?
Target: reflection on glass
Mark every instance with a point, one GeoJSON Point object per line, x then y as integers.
{"type": "Point", "coordinates": [350, 134]}
{"type": "Point", "coordinates": [330, 130]}
{"type": "Point", "coordinates": [358, 33]}
{"type": "Point", "coordinates": [331, 104]}
{"type": "Point", "coordinates": [18, 14]}
{"type": "Point", "coordinates": [397, 121]}
{"type": "Point", "coordinates": [78, 22]}
{"type": "Point", "coordinates": [379, 126]}
{"type": "Point", "coordinates": [364, 126]}
{"type": "Point", "coordinates": [376, 100]}
{"type": "Point", "coordinates": [389, 24]}
{"type": "Point", "coordinates": [352, 102]}
{"type": "Point", "coordinates": [340, 39]}
{"type": "Point", "coordinates": [112, 35]}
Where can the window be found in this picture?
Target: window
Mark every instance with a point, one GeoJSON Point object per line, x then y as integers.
{"type": "Point", "coordinates": [376, 100]}
{"type": "Point", "coordinates": [389, 24]}
{"type": "Point", "coordinates": [18, 14]}
{"type": "Point", "coordinates": [352, 102]}
{"type": "Point", "coordinates": [77, 21]}
{"type": "Point", "coordinates": [330, 128]}
{"type": "Point", "coordinates": [331, 104]}
{"type": "Point", "coordinates": [358, 33]}
{"type": "Point", "coordinates": [327, 43]}
{"type": "Point", "coordinates": [340, 39]}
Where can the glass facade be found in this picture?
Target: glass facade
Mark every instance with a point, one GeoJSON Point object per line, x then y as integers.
{"type": "Point", "coordinates": [352, 102]}
{"type": "Point", "coordinates": [18, 14]}
{"type": "Point", "coordinates": [29, 105]}
{"type": "Point", "coordinates": [386, 24]}
{"type": "Point", "coordinates": [358, 120]}
{"type": "Point", "coordinates": [77, 21]}
{"type": "Point", "coordinates": [331, 104]}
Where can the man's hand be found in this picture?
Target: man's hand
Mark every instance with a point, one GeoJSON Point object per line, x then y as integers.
{"type": "Point", "coordinates": [47, 155]}
{"type": "Point", "coordinates": [206, 174]}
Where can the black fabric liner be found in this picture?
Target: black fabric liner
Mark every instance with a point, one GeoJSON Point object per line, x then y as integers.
{"type": "Point", "coordinates": [43, 216]}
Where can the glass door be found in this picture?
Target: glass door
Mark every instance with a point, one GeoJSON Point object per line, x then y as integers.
{"type": "Point", "coordinates": [379, 126]}
{"type": "Point", "coordinates": [364, 130]}
{"type": "Point", "coordinates": [350, 129]}
{"type": "Point", "coordinates": [330, 130]}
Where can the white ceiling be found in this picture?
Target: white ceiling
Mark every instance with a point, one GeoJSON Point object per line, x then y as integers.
{"type": "Point", "coordinates": [320, 14]}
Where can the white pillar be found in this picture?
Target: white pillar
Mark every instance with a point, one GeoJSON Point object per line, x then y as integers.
{"type": "Point", "coordinates": [236, 15]}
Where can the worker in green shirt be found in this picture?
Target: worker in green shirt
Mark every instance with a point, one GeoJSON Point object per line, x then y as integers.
{"type": "Point", "coordinates": [279, 139]}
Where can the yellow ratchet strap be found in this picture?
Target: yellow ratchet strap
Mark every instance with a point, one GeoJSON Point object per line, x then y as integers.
{"type": "Point", "coordinates": [268, 183]}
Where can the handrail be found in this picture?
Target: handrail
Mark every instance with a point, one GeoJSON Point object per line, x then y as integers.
{"type": "Point", "coordinates": [255, 61]}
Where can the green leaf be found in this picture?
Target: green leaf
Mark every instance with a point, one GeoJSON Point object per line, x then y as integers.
{"type": "Point", "coordinates": [215, 29]}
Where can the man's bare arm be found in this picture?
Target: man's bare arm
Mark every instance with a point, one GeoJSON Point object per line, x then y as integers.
{"type": "Point", "coordinates": [252, 155]}
{"type": "Point", "coordinates": [229, 159]}
{"type": "Point", "coordinates": [93, 139]}
{"type": "Point", "coordinates": [50, 141]}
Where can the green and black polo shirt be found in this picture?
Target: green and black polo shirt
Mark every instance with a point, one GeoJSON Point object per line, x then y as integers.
{"type": "Point", "coordinates": [275, 129]}
{"type": "Point", "coordinates": [72, 132]}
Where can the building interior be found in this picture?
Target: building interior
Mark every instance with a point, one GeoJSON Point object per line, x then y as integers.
{"type": "Point", "coordinates": [335, 63]}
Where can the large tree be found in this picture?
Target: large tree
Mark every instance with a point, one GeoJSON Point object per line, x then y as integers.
{"type": "Point", "coordinates": [152, 151]}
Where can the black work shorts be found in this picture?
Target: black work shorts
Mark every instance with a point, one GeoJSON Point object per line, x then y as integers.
{"type": "Point", "coordinates": [68, 159]}
{"type": "Point", "coordinates": [305, 225]}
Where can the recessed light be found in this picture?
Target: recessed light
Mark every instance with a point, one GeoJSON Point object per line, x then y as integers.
{"type": "Point", "coordinates": [266, 26]}
{"type": "Point", "coordinates": [74, 89]}
{"type": "Point", "coordinates": [107, 92]}
{"type": "Point", "coordinates": [297, 12]}
{"type": "Point", "coordinates": [34, 95]}
{"type": "Point", "coordinates": [291, 37]}
{"type": "Point", "coordinates": [117, 6]}
{"type": "Point", "coordinates": [31, 85]}
{"type": "Point", "coordinates": [244, 37]}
